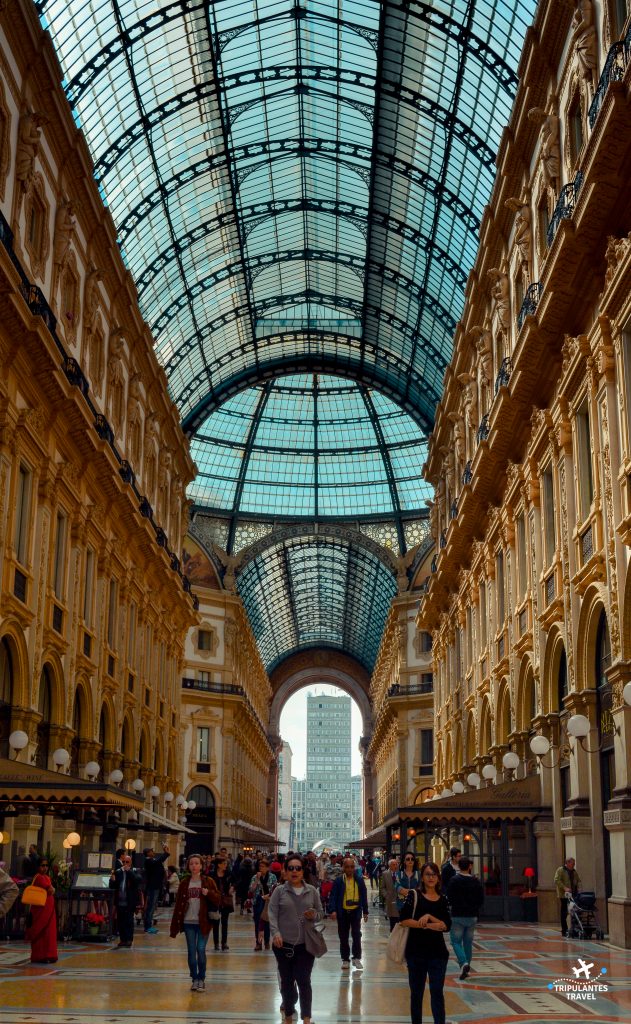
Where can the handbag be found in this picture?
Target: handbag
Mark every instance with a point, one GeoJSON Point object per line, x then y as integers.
{"type": "Point", "coordinates": [314, 940]}
{"type": "Point", "coordinates": [214, 915]}
{"type": "Point", "coordinates": [398, 940]}
{"type": "Point", "coordinates": [34, 896]}
{"type": "Point", "coordinates": [227, 902]}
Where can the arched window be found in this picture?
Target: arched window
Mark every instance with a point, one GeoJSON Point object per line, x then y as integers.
{"type": "Point", "coordinates": [606, 732]}
{"type": "Point", "coordinates": [6, 696]}
{"type": "Point", "coordinates": [77, 725]}
{"type": "Point", "coordinates": [562, 690]}
{"type": "Point", "coordinates": [43, 728]}
{"type": "Point", "coordinates": [202, 796]}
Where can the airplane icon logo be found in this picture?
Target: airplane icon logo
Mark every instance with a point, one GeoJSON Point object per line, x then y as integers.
{"type": "Point", "coordinates": [584, 969]}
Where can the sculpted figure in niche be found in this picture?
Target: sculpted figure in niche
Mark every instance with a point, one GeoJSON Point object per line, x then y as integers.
{"type": "Point", "coordinates": [29, 132]}
{"type": "Point", "coordinates": [523, 231]}
{"type": "Point", "coordinates": [550, 146]}
{"type": "Point", "coordinates": [116, 378]}
{"type": "Point", "coordinates": [470, 399]}
{"type": "Point", "coordinates": [65, 222]}
{"type": "Point", "coordinates": [433, 519]}
{"type": "Point", "coordinates": [584, 36]}
{"type": "Point", "coordinates": [484, 348]}
{"type": "Point", "coordinates": [91, 295]}
{"type": "Point", "coordinates": [449, 469]}
{"type": "Point", "coordinates": [459, 438]}
{"type": "Point", "coordinates": [501, 296]}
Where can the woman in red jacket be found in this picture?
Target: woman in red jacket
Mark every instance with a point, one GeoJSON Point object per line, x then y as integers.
{"type": "Point", "coordinates": [42, 933]}
{"type": "Point", "coordinates": [197, 895]}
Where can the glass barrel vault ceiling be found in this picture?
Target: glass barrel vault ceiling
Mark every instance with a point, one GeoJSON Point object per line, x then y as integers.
{"type": "Point", "coordinates": [310, 446]}
{"type": "Point", "coordinates": [296, 185]}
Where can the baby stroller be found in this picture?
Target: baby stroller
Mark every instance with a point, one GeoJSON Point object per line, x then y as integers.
{"type": "Point", "coordinates": [583, 916]}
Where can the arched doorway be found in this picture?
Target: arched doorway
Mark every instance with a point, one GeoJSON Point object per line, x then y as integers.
{"type": "Point", "coordinates": [6, 696]}
{"type": "Point", "coordinates": [43, 726]}
{"type": "Point", "coordinates": [202, 820]}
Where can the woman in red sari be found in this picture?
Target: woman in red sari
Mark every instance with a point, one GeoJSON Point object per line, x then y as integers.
{"type": "Point", "coordinates": [42, 933]}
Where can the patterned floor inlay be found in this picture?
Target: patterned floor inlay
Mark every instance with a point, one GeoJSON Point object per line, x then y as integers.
{"type": "Point", "coordinates": [520, 973]}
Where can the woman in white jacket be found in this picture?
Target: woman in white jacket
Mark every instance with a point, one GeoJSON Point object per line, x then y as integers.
{"type": "Point", "coordinates": [290, 906]}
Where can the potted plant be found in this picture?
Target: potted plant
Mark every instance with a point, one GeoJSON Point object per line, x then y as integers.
{"type": "Point", "coordinates": [94, 922]}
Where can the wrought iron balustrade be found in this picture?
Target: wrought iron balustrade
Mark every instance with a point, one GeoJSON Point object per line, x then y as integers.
{"type": "Point", "coordinates": [211, 687]}
{"type": "Point", "coordinates": [568, 197]}
{"type": "Point", "coordinates": [443, 539]}
{"type": "Point", "coordinates": [532, 298]}
{"type": "Point", "coordinates": [613, 71]}
{"type": "Point", "coordinates": [434, 565]}
{"type": "Point", "coordinates": [103, 429]}
{"type": "Point", "coordinates": [504, 374]}
{"type": "Point", "coordinates": [453, 511]}
{"type": "Point", "coordinates": [467, 476]}
{"type": "Point", "coordinates": [127, 472]}
{"type": "Point", "coordinates": [587, 544]}
{"type": "Point", "coordinates": [76, 376]}
{"type": "Point", "coordinates": [483, 429]}
{"type": "Point", "coordinates": [396, 690]}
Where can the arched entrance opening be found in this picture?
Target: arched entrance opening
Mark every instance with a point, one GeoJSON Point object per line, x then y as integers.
{"type": "Point", "coordinates": [43, 726]}
{"type": "Point", "coordinates": [202, 820]}
{"type": "Point", "coordinates": [6, 696]}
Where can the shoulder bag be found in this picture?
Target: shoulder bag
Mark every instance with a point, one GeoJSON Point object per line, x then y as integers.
{"type": "Point", "coordinates": [399, 939]}
{"type": "Point", "coordinates": [34, 896]}
{"type": "Point", "coordinates": [314, 939]}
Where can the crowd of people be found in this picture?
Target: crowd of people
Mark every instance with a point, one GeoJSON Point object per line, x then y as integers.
{"type": "Point", "coordinates": [287, 897]}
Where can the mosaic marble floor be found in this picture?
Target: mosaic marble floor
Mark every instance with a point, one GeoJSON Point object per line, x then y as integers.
{"type": "Point", "coordinates": [518, 975]}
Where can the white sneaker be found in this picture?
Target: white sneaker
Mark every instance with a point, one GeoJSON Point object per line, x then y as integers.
{"type": "Point", "coordinates": [358, 965]}
{"type": "Point", "coordinates": [345, 965]}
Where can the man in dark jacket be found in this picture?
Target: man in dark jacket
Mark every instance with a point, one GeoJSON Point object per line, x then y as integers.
{"type": "Point", "coordinates": [465, 895]}
{"type": "Point", "coordinates": [30, 862]}
{"type": "Point", "coordinates": [347, 902]}
{"type": "Point", "coordinates": [449, 868]}
{"type": "Point", "coordinates": [126, 882]}
{"type": "Point", "coordinates": [154, 880]}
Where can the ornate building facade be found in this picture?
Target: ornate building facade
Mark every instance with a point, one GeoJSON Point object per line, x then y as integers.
{"type": "Point", "coordinates": [529, 600]}
{"type": "Point", "coordinates": [94, 606]}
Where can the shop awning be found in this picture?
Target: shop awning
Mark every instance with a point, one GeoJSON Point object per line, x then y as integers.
{"type": "Point", "coordinates": [25, 784]}
{"type": "Point", "coordinates": [511, 801]}
{"type": "Point", "coordinates": [165, 823]}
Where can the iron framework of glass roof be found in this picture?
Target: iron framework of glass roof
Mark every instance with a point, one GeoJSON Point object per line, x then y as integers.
{"type": "Point", "coordinates": [310, 446]}
{"type": "Point", "coordinates": [296, 185]}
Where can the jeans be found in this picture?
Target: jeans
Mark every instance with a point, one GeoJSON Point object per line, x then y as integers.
{"type": "Point", "coordinates": [151, 896]}
{"type": "Point", "coordinates": [225, 914]}
{"type": "Point", "coordinates": [462, 929]}
{"type": "Point", "coordinates": [295, 970]}
{"type": "Point", "coordinates": [196, 949]}
{"type": "Point", "coordinates": [260, 926]}
{"type": "Point", "coordinates": [563, 909]}
{"type": "Point", "coordinates": [347, 921]}
{"type": "Point", "coordinates": [418, 970]}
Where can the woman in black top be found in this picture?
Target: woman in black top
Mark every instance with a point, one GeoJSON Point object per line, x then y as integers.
{"type": "Point", "coordinates": [426, 952]}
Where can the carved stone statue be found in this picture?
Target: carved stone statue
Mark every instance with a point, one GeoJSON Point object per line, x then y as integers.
{"type": "Point", "coordinates": [550, 146]}
{"type": "Point", "coordinates": [433, 519]}
{"type": "Point", "coordinates": [459, 437]}
{"type": "Point", "coordinates": [115, 371]}
{"type": "Point", "coordinates": [501, 296]}
{"type": "Point", "coordinates": [470, 399]}
{"type": "Point", "coordinates": [65, 222]}
{"type": "Point", "coordinates": [484, 348]}
{"type": "Point", "coordinates": [584, 37]}
{"type": "Point", "coordinates": [449, 469]}
{"type": "Point", "coordinates": [29, 132]}
{"type": "Point", "coordinates": [91, 294]}
{"type": "Point", "coordinates": [523, 231]}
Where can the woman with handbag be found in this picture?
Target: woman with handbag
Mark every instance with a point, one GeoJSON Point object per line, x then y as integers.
{"type": "Point", "coordinates": [42, 932]}
{"type": "Point", "coordinates": [294, 907]}
{"type": "Point", "coordinates": [408, 878]}
{"type": "Point", "coordinates": [221, 878]}
{"type": "Point", "coordinates": [197, 897]}
{"type": "Point", "coordinates": [426, 914]}
{"type": "Point", "coordinates": [261, 888]}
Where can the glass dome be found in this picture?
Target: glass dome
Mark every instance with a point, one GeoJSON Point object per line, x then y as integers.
{"type": "Point", "coordinates": [311, 446]}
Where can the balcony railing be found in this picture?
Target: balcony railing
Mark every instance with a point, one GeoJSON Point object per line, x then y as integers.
{"type": "Point", "coordinates": [483, 429]}
{"type": "Point", "coordinates": [532, 298]}
{"type": "Point", "coordinates": [210, 687]}
{"type": "Point", "coordinates": [568, 197]}
{"type": "Point", "coordinates": [613, 71]}
{"type": "Point", "coordinates": [396, 690]}
{"type": "Point", "coordinates": [467, 476]}
{"type": "Point", "coordinates": [503, 376]}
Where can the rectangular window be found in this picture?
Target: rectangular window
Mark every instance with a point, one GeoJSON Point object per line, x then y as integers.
{"type": "Point", "coordinates": [549, 529]}
{"type": "Point", "coordinates": [88, 584]}
{"type": "Point", "coordinates": [203, 744]}
{"type": "Point", "coordinates": [60, 555]}
{"type": "Point", "coordinates": [204, 640]}
{"type": "Point", "coordinates": [111, 614]}
{"type": "Point", "coordinates": [499, 577]}
{"type": "Point", "coordinates": [458, 653]}
{"type": "Point", "coordinates": [131, 638]}
{"type": "Point", "coordinates": [163, 655]}
{"type": "Point", "coordinates": [621, 13]}
{"type": "Point", "coordinates": [469, 637]}
{"type": "Point", "coordinates": [148, 649]}
{"type": "Point", "coordinates": [483, 614]}
{"type": "Point", "coordinates": [575, 121]}
{"type": "Point", "coordinates": [427, 746]}
{"type": "Point", "coordinates": [522, 575]}
{"type": "Point", "coordinates": [203, 677]}
{"type": "Point", "coordinates": [584, 462]}
{"type": "Point", "coordinates": [22, 501]}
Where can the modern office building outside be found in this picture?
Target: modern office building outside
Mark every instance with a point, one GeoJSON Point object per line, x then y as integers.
{"type": "Point", "coordinates": [328, 782]}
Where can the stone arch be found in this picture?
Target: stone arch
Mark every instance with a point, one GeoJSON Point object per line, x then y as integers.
{"type": "Point", "coordinates": [448, 756]}
{"type": "Point", "coordinates": [171, 762]}
{"type": "Point", "coordinates": [527, 697]}
{"type": "Point", "coordinates": [310, 668]}
{"type": "Point", "coordinates": [107, 725]}
{"type": "Point", "coordinates": [82, 703]}
{"type": "Point", "coordinates": [13, 635]}
{"type": "Point", "coordinates": [52, 660]}
{"type": "Point", "coordinates": [144, 747]}
{"type": "Point", "coordinates": [458, 748]}
{"type": "Point", "coordinates": [287, 531]}
{"type": "Point", "coordinates": [486, 728]}
{"type": "Point", "coordinates": [503, 724]}
{"type": "Point", "coordinates": [594, 602]}
{"type": "Point", "coordinates": [440, 775]}
{"type": "Point", "coordinates": [158, 763]}
{"type": "Point", "coordinates": [128, 738]}
{"type": "Point", "coordinates": [554, 651]}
